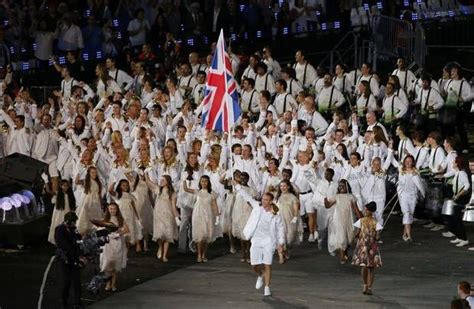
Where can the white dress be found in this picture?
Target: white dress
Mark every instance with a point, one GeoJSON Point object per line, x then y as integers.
{"type": "Point", "coordinates": [226, 213]}
{"type": "Point", "coordinates": [203, 219]}
{"type": "Point", "coordinates": [144, 206]}
{"type": "Point", "coordinates": [293, 230]}
{"type": "Point", "coordinates": [89, 209]}
{"type": "Point", "coordinates": [341, 229]}
{"type": "Point", "coordinates": [164, 224]}
{"type": "Point", "coordinates": [58, 218]}
{"type": "Point", "coordinates": [133, 223]}
{"type": "Point", "coordinates": [241, 213]}
{"type": "Point", "coordinates": [114, 254]}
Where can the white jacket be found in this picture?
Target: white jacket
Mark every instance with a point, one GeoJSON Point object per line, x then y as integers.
{"type": "Point", "coordinates": [277, 229]}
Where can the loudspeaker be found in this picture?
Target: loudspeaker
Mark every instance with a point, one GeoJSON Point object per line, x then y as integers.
{"type": "Point", "coordinates": [23, 169]}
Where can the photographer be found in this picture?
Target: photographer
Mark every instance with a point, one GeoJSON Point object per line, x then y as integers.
{"type": "Point", "coordinates": [69, 258]}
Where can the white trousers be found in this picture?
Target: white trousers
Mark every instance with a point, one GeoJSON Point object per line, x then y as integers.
{"type": "Point", "coordinates": [407, 204]}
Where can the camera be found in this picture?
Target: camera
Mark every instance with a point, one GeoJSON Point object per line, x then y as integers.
{"type": "Point", "coordinates": [92, 243]}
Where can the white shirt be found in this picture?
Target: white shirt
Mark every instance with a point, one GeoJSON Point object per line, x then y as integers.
{"type": "Point", "coordinates": [305, 73]}
{"type": "Point", "coordinates": [343, 84]}
{"type": "Point", "coordinates": [457, 91]}
{"type": "Point", "coordinates": [139, 38]}
{"type": "Point", "coordinates": [429, 98]}
{"type": "Point", "coordinates": [44, 44]}
{"type": "Point", "coordinates": [198, 67]}
{"type": "Point", "coordinates": [184, 82]}
{"type": "Point", "coordinates": [265, 82]}
{"type": "Point", "coordinates": [262, 234]}
{"type": "Point", "coordinates": [198, 93]}
{"type": "Point", "coordinates": [436, 159]}
{"type": "Point", "coordinates": [293, 87]}
{"type": "Point", "coordinates": [363, 102]}
{"type": "Point", "coordinates": [249, 73]}
{"type": "Point", "coordinates": [274, 67]}
{"type": "Point", "coordinates": [124, 80]}
{"type": "Point", "coordinates": [284, 102]}
{"type": "Point", "coordinates": [328, 98]}
{"type": "Point", "coordinates": [45, 146]}
{"type": "Point", "coordinates": [250, 101]}
{"type": "Point", "coordinates": [374, 85]}
{"type": "Point", "coordinates": [314, 120]}
{"type": "Point", "coordinates": [406, 78]}
{"type": "Point", "coordinates": [66, 87]}
{"type": "Point", "coordinates": [393, 108]}
{"type": "Point", "coordinates": [70, 38]}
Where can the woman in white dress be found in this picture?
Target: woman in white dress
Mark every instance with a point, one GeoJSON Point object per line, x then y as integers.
{"type": "Point", "coordinates": [91, 202]}
{"type": "Point", "coordinates": [142, 194]}
{"type": "Point", "coordinates": [65, 202]}
{"type": "Point", "coordinates": [205, 217]}
{"type": "Point", "coordinates": [241, 214]}
{"type": "Point", "coordinates": [289, 206]}
{"type": "Point", "coordinates": [227, 210]}
{"type": "Point", "coordinates": [114, 255]}
{"type": "Point", "coordinates": [126, 203]}
{"type": "Point", "coordinates": [340, 228]}
{"type": "Point", "coordinates": [165, 215]}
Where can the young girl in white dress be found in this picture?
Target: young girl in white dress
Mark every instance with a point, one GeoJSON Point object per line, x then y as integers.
{"type": "Point", "coordinates": [240, 215]}
{"type": "Point", "coordinates": [126, 203]}
{"type": "Point", "coordinates": [289, 206]}
{"type": "Point", "coordinates": [114, 255]}
{"type": "Point", "coordinates": [91, 202]}
{"type": "Point", "coordinates": [65, 202]}
{"type": "Point", "coordinates": [205, 217]}
{"type": "Point", "coordinates": [165, 215]}
{"type": "Point", "coordinates": [227, 210]}
{"type": "Point", "coordinates": [340, 228]}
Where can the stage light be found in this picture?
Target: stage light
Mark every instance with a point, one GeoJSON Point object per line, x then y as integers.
{"type": "Point", "coordinates": [337, 24]}
{"type": "Point", "coordinates": [15, 202]}
{"type": "Point", "coordinates": [62, 60]}
{"type": "Point", "coordinates": [366, 6]}
{"type": "Point", "coordinates": [99, 55]}
{"type": "Point", "coordinates": [23, 199]}
{"type": "Point", "coordinates": [324, 26]}
{"type": "Point", "coordinates": [190, 42]}
{"type": "Point", "coordinates": [115, 23]}
{"type": "Point", "coordinates": [85, 56]}
{"type": "Point", "coordinates": [259, 34]}
{"type": "Point", "coordinates": [6, 204]}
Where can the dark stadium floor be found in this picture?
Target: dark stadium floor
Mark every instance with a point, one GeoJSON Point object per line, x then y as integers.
{"type": "Point", "coordinates": [421, 274]}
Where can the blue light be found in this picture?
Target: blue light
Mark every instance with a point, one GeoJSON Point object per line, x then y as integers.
{"type": "Point", "coordinates": [285, 31]}
{"type": "Point", "coordinates": [119, 35]}
{"type": "Point", "coordinates": [5, 22]}
{"type": "Point", "coordinates": [12, 50]}
{"type": "Point", "coordinates": [259, 34]}
{"type": "Point", "coordinates": [190, 42]}
{"type": "Point", "coordinates": [366, 6]}
{"type": "Point", "coordinates": [406, 3]}
{"type": "Point", "coordinates": [205, 40]}
{"type": "Point", "coordinates": [50, 62]}
{"type": "Point", "coordinates": [182, 27]}
{"type": "Point", "coordinates": [310, 27]}
{"type": "Point", "coordinates": [233, 36]}
{"type": "Point", "coordinates": [318, 13]}
{"type": "Point", "coordinates": [379, 5]}
{"type": "Point", "coordinates": [115, 23]}
{"type": "Point", "coordinates": [62, 60]}
{"type": "Point", "coordinates": [242, 8]}
{"type": "Point", "coordinates": [414, 16]}
{"type": "Point", "coordinates": [246, 35]}
{"type": "Point", "coordinates": [276, 16]}
{"type": "Point", "coordinates": [25, 66]}
{"type": "Point", "coordinates": [35, 46]}
{"type": "Point", "coordinates": [337, 24]}
{"type": "Point", "coordinates": [88, 13]}
{"type": "Point", "coordinates": [23, 50]}
{"type": "Point", "coordinates": [280, 3]}
{"type": "Point", "coordinates": [450, 13]}
{"type": "Point", "coordinates": [324, 26]}
{"type": "Point", "coordinates": [298, 28]}
{"type": "Point", "coordinates": [85, 56]}
{"type": "Point", "coordinates": [99, 55]}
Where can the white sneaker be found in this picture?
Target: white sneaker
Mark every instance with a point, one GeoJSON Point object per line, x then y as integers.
{"type": "Point", "coordinates": [470, 249]}
{"type": "Point", "coordinates": [448, 234]}
{"type": "Point", "coordinates": [455, 241]}
{"type": "Point", "coordinates": [316, 235]}
{"type": "Point", "coordinates": [463, 243]}
{"type": "Point", "coordinates": [438, 227]}
{"type": "Point", "coordinates": [259, 283]}
{"type": "Point", "coordinates": [429, 225]}
{"type": "Point", "coordinates": [267, 291]}
{"type": "Point", "coordinates": [311, 238]}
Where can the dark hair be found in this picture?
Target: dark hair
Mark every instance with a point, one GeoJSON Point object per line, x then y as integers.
{"type": "Point", "coordinates": [70, 217]}
{"type": "Point", "coordinates": [465, 287]}
{"type": "Point", "coordinates": [266, 94]}
{"type": "Point", "coordinates": [120, 218]}
{"type": "Point", "coordinates": [244, 179]}
{"type": "Point", "coordinates": [346, 184]}
{"type": "Point", "coordinates": [209, 187]}
{"type": "Point", "coordinates": [291, 189]}
{"type": "Point", "coordinates": [80, 130]}
{"type": "Point", "coordinates": [418, 136]}
{"type": "Point", "coordinates": [371, 206]}
{"type": "Point", "coordinates": [460, 304]}
{"type": "Point", "coordinates": [61, 197]}
{"type": "Point", "coordinates": [367, 91]}
{"type": "Point", "coordinates": [461, 163]}
{"type": "Point", "coordinates": [282, 82]}
{"type": "Point", "coordinates": [344, 152]}
{"type": "Point", "coordinates": [118, 189]}
{"type": "Point", "coordinates": [87, 183]}
{"type": "Point", "coordinates": [169, 185]}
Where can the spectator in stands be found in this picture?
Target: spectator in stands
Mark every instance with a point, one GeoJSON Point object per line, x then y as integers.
{"type": "Point", "coordinates": [44, 39]}
{"type": "Point", "coordinates": [93, 38]}
{"type": "Point", "coordinates": [138, 29]}
{"type": "Point", "coordinates": [69, 35]}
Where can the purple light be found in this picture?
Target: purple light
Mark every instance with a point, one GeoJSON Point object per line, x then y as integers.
{"type": "Point", "coordinates": [115, 23]}
{"type": "Point", "coordinates": [6, 204]}
{"type": "Point", "coordinates": [285, 31]}
{"type": "Point", "coordinates": [28, 194]}
{"type": "Point", "coordinates": [379, 5]}
{"type": "Point", "coordinates": [337, 24]}
{"type": "Point", "coordinates": [366, 6]}
{"type": "Point", "coordinates": [259, 34]}
{"type": "Point", "coordinates": [190, 42]}
{"type": "Point", "coordinates": [324, 26]}
{"type": "Point", "coordinates": [99, 55]}
{"type": "Point", "coordinates": [85, 56]}
{"type": "Point", "coordinates": [62, 60]}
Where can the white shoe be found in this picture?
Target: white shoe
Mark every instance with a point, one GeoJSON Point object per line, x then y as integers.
{"type": "Point", "coordinates": [455, 241]}
{"type": "Point", "coordinates": [311, 238]}
{"type": "Point", "coordinates": [463, 243]}
{"type": "Point", "coordinates": [316, 235]}
{"type": "Point", "coordinates": [448, 234]}
{"type": "Point", "coordinates": [470, 249]}
{"type": "Point", "coordinates": [405, 238]}
{"type": "Point", "coordinates": [438, 227]}
{"type": "Point", "coordinates": [429, 225]}
{"type": "Point", "coordinates": [267, 291]}
{"type": "Point", "coordinates": [259, 283]}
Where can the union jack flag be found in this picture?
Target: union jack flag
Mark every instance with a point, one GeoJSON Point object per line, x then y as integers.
{"type": "Point", "coordinates": [220, 106]}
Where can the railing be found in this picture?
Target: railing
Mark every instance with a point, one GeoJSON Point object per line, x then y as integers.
{"type": "Point", "coordinates": [392, 38]}
{"type": "Point", "coordinates": [420, 49]}
{"type": "Point", "coordinates": [348, 45]}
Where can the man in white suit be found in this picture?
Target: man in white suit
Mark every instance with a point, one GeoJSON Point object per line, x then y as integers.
{"type": "Point", "coordinates": [266, 232]}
